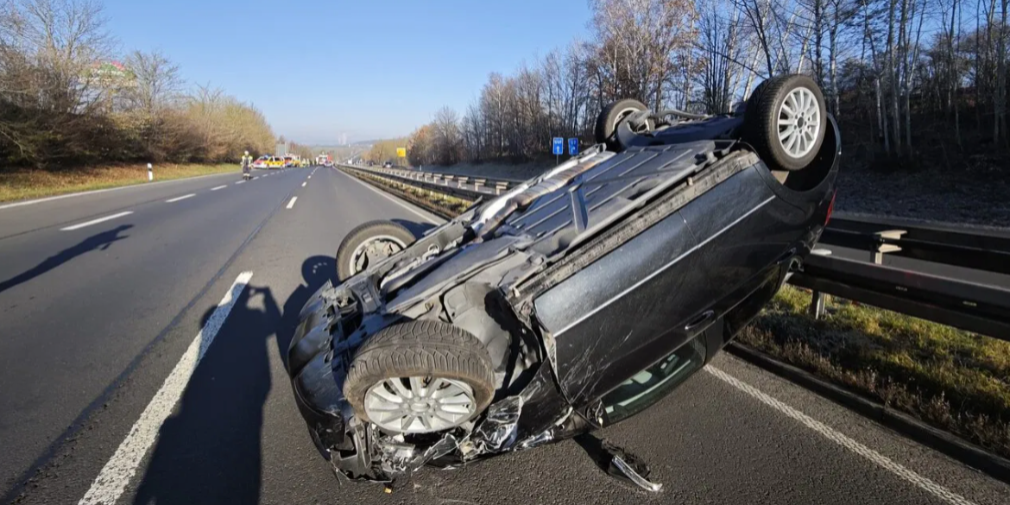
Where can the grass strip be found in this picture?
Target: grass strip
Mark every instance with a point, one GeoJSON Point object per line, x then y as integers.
{"type": "Point", "coordinates": [27, 184]}
{"type": "Point", "coordinates": [955, 380]}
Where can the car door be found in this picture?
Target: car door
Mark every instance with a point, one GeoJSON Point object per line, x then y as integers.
{"type": "Point", "coordinates": [639, 303]}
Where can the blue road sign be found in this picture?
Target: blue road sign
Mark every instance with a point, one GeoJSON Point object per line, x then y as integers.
{"type": "Point", "coordinates": [573, 147]}
{"type": "Point", "coordinates": [559, 145]}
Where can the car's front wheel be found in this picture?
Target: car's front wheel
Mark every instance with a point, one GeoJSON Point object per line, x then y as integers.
{"type": "Point", "coordinates": [420, 377]}
{"type": "Point", "coordinates": [369, 243]}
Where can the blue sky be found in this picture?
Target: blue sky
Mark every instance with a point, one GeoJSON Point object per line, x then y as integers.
{"type": "Point", "coordinates": [369, 69]}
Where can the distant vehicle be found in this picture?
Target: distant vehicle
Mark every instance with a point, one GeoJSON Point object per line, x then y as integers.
{"type": "Point", "coordinates": [261, 162]}
{"type": "Point", "coordinates": [275, 162]}
{"type": "Point", "coordinates": [325, 160]}
{"type": "Point", "coordinates": [289, 161]}
{"type": "Point", "coordinates": [387, 165]}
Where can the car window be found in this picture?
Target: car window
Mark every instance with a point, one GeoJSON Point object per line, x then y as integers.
{"type": "Point", "coordinates": [655, 382]}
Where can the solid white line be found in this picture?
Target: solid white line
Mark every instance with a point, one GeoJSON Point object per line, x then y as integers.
{"type": "Point", "coordinates": [121, 467]}
{"type": "Point", "coordinates": [292, 202]}
{"type": "Point", "coordinates": [394, 200]}
{"type": "Point", "coordinates": [303, 184]}
{"type": "Point", "coordinates": [844, 441]}
{"type": "Point", "coordinates": [219, 187]}
{"type": "Point", "coordinates": [183, 197]}
{"type": "Point", "coordinates": [239, 182]}
{"type": "Point", "coordinates": [96, 221]}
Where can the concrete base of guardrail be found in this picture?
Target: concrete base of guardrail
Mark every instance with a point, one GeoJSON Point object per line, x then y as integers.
{"type": "Point", "coordinates": [947, 443]}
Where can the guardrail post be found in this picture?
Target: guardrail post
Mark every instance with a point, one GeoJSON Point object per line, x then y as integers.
{"type": "Point", "coordinates": [817, 304]}
{"type": "Point", "coordinates": [499, 186]}
{"type": "Point", "coordinates": [477, 183]}
{"type": "Point", "coordinates": [462, 182]}
{"type": "Point", "coordinates": [882, 248]}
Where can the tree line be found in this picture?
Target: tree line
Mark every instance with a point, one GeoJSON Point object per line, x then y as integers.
{"type": "Point", "coordinates": [67, 99]}
{"type": "Point", "coordinates": [910, 80]}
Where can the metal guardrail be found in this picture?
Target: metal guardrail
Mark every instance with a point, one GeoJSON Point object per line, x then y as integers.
{"type": "Point", "coordinates": [977, 307]}
{"type": "Point", "coordinates": [982, 308]}
{"type": "Point", "coordinates": [469, 187]}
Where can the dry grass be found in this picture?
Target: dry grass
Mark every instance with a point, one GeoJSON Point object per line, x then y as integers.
{"type": "Point", "coordinates": [27, 184]}
{"type": "Point", "coordinates": [955, 380]}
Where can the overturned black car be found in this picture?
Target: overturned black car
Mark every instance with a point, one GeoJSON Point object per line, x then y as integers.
{"type": "Point", "coordinates": [574, 301]}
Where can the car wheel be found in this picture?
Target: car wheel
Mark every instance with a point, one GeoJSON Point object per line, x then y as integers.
{"type": "Point", "coordinates": [420, 377]}
{"type": "Point", "coordinates": [369, 243]}
{"type": "Point", "coordinates": [786, 121]}
{"type": "Point", "coordinates": [606, 122]}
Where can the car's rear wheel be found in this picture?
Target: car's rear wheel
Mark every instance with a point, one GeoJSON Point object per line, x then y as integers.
{"type": "Point", "coordinates": [786, 121]}
{"type": "Point", "coordinates": [611, 116]}
{"type": "Point", "coordinates": [420, 377]}
{"type": "Point", "coordinates": [369, 243]}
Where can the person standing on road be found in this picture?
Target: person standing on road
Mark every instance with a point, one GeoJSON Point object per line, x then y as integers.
{"type": "Point", "coordinates": [246, 162]}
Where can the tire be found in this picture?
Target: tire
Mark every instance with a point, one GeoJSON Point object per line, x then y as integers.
{"type": "Point", "coordinates": [434, 350]}
{"type": "Point", "coordinates": [762, 122]}
{"type": "Point", "coordinates": [606, 122]}
{"type": "Point", "coordinates": [389, 231]}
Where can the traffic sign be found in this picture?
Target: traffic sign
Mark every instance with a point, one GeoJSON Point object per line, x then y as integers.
{"type": "Point", "coordinates": [559, 146]}
{"type": "Point", "coordinates": [401, 152]}
{"type": "Point", "coordinates": [573, 147]}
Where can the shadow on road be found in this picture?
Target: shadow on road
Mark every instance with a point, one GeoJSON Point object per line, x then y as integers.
{"type": "Point", "coordinates": [316, 270]}
{"type": "Point", "coordinates": [418, 229]}
{"type": "Point", "coordinates": [210, 450]}
{"type": "Point", "coordinates": [100, 241]}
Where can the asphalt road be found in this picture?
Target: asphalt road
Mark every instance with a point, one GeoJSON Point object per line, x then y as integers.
{"type": "Point", "coordinates": [95, 319]}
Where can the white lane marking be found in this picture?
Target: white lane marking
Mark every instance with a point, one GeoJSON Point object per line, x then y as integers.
{"type": "Point", "coordinates": [304, 183]}
{"type": "Point", "coordinates": [219, 187]}
{"type": "Point", "coordinates": [256, 177]}
{"type": "Point", "coordinates": [239, 182]}
{"type": "Point", "coordinates": [96, 221]}
{"type": "Point", "coordinates": [844, 441]}
{"type": "Point", "coordinates": [183, 197]}
{"type": "Point", "coordinates": [292, 202]}
{"type": "Point", "coordinates": [310, 176]}
{"type": "Point", "coordinates": [117, 472]}
{"type": "Point", "coordinates": [394, 200]}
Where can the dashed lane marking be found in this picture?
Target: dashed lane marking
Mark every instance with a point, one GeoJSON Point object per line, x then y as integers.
{"type": "Point", "coordinates": [292, 202]}
{"type": "Point", "coordinates": [183, 197]}
{"type": "Point", "coordinates": [219, 187]}
{"type": "Point", "coordinates": [116, 474]}
{"type": "Point", "coordinates": [96, 221]}
{"type": "Point", "coordinates": [239, 182]}
{"type": "Point", "coordinates": [304, 183]}
{"type": "Point", "coordinates": [844, 441]}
